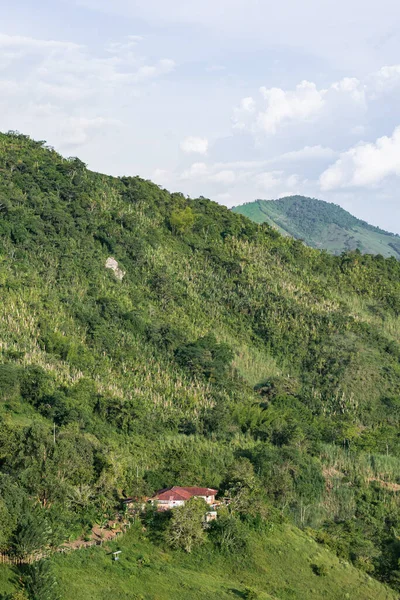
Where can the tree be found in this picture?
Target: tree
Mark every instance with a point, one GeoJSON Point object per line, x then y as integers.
{"type": "Point", "coordinates": [182, 220]}
{"type": "Point", "coordinates": [205, 357]}
{"type": "Point", "coordinates": [34, 383]}
{"type": "Point", "coordinates": [5, 527]}
{"type": "Point", "coordinates": [32, 532]}
{"type": "Point", "coordinates": [39, 581]}
{"type": "Point", "coordinates": [186, 530]}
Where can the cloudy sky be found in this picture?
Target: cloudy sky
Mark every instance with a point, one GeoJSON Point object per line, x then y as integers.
{"type": "Point", "coordinates": [230, 99]}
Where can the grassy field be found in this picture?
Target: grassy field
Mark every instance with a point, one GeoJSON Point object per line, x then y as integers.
{"type": "Point", "coordinates": [284, 566]}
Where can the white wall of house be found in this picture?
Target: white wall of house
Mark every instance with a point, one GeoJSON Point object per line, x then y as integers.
{"type": "Point", "coordinates": [208, 499]}
{"type": "Point", "coordinates": [168, 503]}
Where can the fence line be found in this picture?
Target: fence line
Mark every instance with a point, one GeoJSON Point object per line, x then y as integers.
{"type": "Point", "coordinates": [17, 560]}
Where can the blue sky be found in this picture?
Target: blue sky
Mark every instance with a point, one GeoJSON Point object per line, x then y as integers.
{"type": "Point", "coordinates": [230, 99]}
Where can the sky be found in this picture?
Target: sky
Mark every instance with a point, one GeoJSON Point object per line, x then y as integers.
{"type": "Point", "coordinates": [233, 100]}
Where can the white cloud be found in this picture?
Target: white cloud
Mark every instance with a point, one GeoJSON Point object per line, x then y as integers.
{"type": "Point", "coordinates": [248, 104]}
{"type": "Point", "coordinates": [338, 106]}
{"type": "Point", "coordinates": [225, 177]}
{"type": "Point", "coordinates": [64, 91]}
{"type": "Point", "coordinates": [215, 173]}
{"type": "Point", "coordinates": [281, 107]}
{"type": "Point", "coordinates": [366, 164]}
{"type": "Point", "coordinates": [246, 165]}
{"type": "Point", "coordinates": [305, 104]}
{"type": "Point", "coordinates": [78, 131]}
{"type": "Point", "coordinates": [194, 145]}
{"type": "Point", "coordinates": [124, 46]}
{"type": "Point", "coordinates": [162, 67]}
{"type": "Point", "coordinates": [70, 70]}
{"type": "Point", "coordinates": [307, 153]}
{"type": "Point", "coordinates": [223, 197]}
{"type": "Point", "coordinates": [25, 44]}
{"type": "Point", "coordinates": [351, 86]}
{"type": "Point", "coordinates": [292, 181]}
{"type": "Point", "coordinates": [269, 180]}
{"type": "Point", "coordinates": [384, 80]}
{"type": "Point", "coordinates": [236, 175]}
{"type": "Point", "coordinates": [196, 170]}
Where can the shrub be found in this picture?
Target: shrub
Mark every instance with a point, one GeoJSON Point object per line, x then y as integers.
{"type": "Point", "coordinates": [319, 569]}
{"type": "Point", "coordinates": [9, 381]}
{"type": "Point", "coordinates": [229, 535]}
{"type": "Point", "coordinates": [205, 357]}
{"type": "Point", "coordinates": [182, 220]}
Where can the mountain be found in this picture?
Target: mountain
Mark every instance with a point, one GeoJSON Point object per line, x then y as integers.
{"type": "Point", "coordinates": [321, 225]}
{"type": "Point", "coordinates": [150, 340]}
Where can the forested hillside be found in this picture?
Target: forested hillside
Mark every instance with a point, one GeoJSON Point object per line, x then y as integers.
{"type": "Point", "coordinates": [322, 225]}
{"type": "Point", "coordinates": [215, 352]}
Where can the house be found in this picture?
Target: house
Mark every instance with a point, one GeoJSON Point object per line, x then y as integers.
{"type": "Point", "coordinates": [177, 496]}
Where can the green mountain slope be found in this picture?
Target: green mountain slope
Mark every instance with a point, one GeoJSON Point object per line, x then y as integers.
{"type": "Point", "coordinates": [150, 340]}
{"type": "Point", "coordinates": [321, 225]}
{"type": "Point", "coordinates": [282, 564]}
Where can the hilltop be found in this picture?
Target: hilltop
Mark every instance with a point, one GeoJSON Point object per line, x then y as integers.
{"type": "Point", "coordinates": [321, 225]}
{"type": "Point", "coordinates": [151, 340]}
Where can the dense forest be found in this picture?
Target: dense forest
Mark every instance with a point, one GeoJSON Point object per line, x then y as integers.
{"type": "Point", "coordinates": [322, 225]}
{"type": "Point", "coordinates": [211, 351]}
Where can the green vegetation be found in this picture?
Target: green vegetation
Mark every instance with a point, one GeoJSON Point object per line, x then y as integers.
{"type": "Point", "coordinates": [222, 354]}
{"type": "Point", "coordinates": [185, 529]}
{"type": "Point", "coordinates": [278, 564]}
{"type": "Point", "coordinates": [321, 225]}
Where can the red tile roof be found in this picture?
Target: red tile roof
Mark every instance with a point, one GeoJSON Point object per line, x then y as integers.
{"type": "Point", "coordinates": [182, 493]}
{"type": "Point", "coordinates": [200, 491]}
{"type": "Point", "coordinates": [172, 494]}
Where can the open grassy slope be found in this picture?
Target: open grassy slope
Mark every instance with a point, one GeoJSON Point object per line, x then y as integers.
{"type": "Point", "coordinates": [281, 565]}
{"type": "Point", "coordinates": [321, 225]}
{"type": "Point", "coordinates": [227, 355]}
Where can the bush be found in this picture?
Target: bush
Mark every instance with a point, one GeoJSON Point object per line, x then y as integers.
{"type": "Point", "coordinates": [9, 381]}
{"type": "Point", "coordinates": [229, 535]}
{"type": "Point", "coordinates": [205, 357]}
{"type": "Point", "coordinates": [319, 569]}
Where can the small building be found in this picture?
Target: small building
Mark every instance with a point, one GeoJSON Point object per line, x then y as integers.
{"type": "Point", "coordinates": [211, 515]}
{"type": "Point", "coordinates": [175, 496]}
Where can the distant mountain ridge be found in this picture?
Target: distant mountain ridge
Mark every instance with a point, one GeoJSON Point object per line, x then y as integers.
{"type": "Point", "coordinates": [322, 225]}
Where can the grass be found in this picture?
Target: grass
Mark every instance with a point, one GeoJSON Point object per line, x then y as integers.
{"type": "Point", "coordinates": [7, 579]}
{"type": "Point", "coordinates": [285, 564]}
